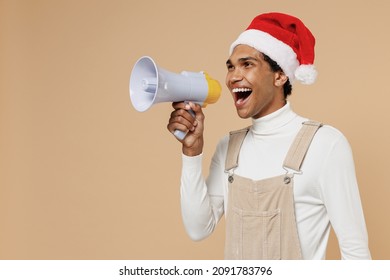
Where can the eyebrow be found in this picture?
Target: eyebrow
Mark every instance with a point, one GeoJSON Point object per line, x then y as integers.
{"type": "Point", "coordinates": [242, 59]}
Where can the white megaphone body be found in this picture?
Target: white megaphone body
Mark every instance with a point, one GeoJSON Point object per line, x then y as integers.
{"type": "Point", "coordinates": [150, 84]}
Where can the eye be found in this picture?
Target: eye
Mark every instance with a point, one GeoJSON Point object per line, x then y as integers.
{"type": "Point", "coordinates": [229, 67]}
{"type": "Point", "coordinates": [247, 64]}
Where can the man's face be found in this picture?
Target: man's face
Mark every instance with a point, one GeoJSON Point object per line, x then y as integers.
{"type": "Point", "coordinates": [252, 83]}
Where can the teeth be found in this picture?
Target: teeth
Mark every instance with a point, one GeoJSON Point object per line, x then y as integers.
{"type": "Point", "coordinates": [241, 90]}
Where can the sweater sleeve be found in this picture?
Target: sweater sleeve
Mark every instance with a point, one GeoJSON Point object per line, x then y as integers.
{"type": "Point", "coordinates": [201, 202]}
{"type": "Point", "coordinates": [341, 197]}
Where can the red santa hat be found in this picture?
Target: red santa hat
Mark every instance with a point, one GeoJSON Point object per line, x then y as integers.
{"type": "Point", "coordinates": [286, 40]}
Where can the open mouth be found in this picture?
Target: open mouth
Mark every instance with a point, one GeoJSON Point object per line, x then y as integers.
{"type": "Point", "coordinates": [241, 94]}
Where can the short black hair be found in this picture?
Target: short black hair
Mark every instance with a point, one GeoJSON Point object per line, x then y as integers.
{"type": "Point", "coordinates": [287, 87]}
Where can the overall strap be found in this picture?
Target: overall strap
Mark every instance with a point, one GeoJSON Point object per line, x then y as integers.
{"type": "Point", "coordinates": [236, 138]}
{"type": "Point", "coordinates": [299, 147]}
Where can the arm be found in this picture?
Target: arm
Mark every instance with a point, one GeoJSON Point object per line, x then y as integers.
{"type": "Point", "coordinates": [200, 210]}
{"type": "Point", "coordinates": [342, 200]}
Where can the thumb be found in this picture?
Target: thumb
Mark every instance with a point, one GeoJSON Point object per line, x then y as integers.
{"type": "Point", "coordinates": [196, 108]}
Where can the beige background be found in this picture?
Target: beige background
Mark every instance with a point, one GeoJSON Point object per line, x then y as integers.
{"type": "Point", "coordinates": [85, 176]}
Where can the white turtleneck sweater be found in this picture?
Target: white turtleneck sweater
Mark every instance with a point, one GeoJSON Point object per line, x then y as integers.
{"type": "Point", "coordinates": [325, 193]}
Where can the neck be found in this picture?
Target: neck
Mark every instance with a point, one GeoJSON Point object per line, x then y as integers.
{"type": "Point", "coordinates": [277, 104]}
{"type": "Point", "coordinates": [273, 121]}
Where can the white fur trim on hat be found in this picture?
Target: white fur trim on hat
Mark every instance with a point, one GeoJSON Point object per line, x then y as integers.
{"type": "Point", "coordinates": [278, 51]}
{"type": "Point", "coordinates": [306, 74]}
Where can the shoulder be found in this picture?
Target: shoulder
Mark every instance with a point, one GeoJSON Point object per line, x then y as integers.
{"type": "Point", "coordinates": [229, 139]}
{"type": "Point", "coordinates": [330, 134]}
{"type": "Point", "coordinates": [326, 136]}
{"type": "Point", "coordinates": [329, 139]}
{"type": "Point", "coordinates": [224, 141]}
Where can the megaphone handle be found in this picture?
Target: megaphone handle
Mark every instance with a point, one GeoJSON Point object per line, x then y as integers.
{"type": "Point", "coordinates": [181, 134]}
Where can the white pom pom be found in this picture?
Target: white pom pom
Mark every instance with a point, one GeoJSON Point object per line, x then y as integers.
{"type": "Point", "coordinates": [306, 74]}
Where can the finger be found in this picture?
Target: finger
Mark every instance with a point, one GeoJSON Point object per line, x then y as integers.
{"type": "Point", "coordinates": [197, 109]}
{"type": "Point", "coordinates": [183, 121]}
{"type": "Point", "coordinates": [179, 105]}
{"type": "Point", "coordinates": [172, 127]}
{"type": "Point", "coordinates": [185, 114]}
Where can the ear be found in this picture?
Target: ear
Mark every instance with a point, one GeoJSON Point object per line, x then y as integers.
{"type": "Point", "coordinates": [280, 79]}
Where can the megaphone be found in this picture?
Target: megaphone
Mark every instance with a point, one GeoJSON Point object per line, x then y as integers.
{"type": "Point", "coordinates": [150, 84]}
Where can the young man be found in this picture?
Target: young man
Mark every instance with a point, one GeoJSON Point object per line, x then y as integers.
{"type": "Point", "coordinates": [284, 180]}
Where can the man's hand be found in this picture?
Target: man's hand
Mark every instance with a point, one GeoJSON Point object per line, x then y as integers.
{"type": "Point", "coordinates": [182, 120]}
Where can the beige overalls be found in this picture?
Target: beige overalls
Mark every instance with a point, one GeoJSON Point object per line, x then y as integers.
{"type": "Point", "coordinates": [260, 218]}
